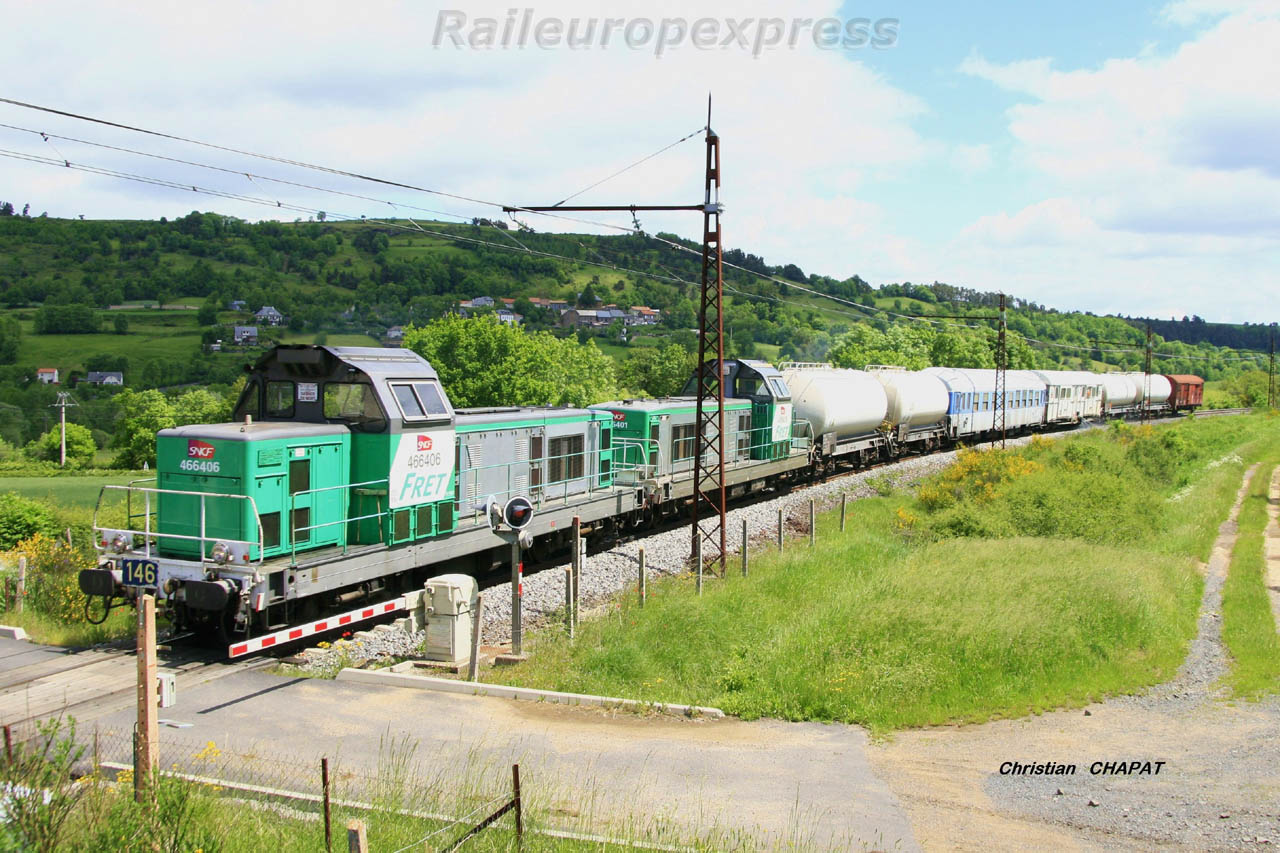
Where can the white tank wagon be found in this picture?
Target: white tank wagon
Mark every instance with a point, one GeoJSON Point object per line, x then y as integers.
{"type": "Point", "coordinates": [1120, 394]}
{"type": "Point", "coordinates": [1156, 388]}
{"type": "Point", "coordinates": [917, 405]}
{"type": "Point", "coordinates": [845, 408]}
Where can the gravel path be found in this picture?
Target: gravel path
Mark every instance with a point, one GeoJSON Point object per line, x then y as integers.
{"type": "Point", "coordinates": [1219, 788]}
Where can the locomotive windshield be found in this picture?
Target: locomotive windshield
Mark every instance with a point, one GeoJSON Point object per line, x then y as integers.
{"type": "Point", "coordinates": [356, 403]}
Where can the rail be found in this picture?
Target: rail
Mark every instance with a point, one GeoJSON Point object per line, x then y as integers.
{"type": "Point", "coordinates": [150, 536]}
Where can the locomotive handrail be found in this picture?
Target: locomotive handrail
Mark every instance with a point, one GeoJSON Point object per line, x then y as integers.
{"type": "Point", "coordinates": [147, 533]}
{"type": "Point", "coordinates": [293, 505]}
{"type": "Point", "coordinates": [591, 476]}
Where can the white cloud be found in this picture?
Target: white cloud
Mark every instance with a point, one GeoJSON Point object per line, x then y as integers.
{"type": "Point", "coordinates": [363, 89]}
{"type": "Point", "coordinates": [1159, 163]}
{"type": "Point", "coordinates": [1030, 76]}
{"type": "Point", "coordinates": [971, 159]}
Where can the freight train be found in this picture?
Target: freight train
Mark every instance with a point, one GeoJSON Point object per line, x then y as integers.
{"type": "Point", "coordinates": [346, 477]}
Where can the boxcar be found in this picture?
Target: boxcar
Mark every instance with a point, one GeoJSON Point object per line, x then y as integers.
{"type": "Point", "coordinates": [1187, 392]}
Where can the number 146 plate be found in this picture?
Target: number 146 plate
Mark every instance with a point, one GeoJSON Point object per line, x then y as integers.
{"type": "Point", "coordinates": [137, 572]}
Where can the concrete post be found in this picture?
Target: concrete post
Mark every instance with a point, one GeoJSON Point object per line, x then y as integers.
{"type": "Point", "coordinates": [813, 524]}
{"type": "Point", "coordinates": [779, 530]}
{"type": "Point", "coordinates": [744, 547]}
{"type": "Point", "coordinates": [844, 503]}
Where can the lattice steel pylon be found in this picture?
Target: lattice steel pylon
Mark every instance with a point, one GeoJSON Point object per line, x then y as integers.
{"type": "Point", "coordinates": [1002, 376]}
{"type": "Point", "coordinates": [708, 471]}
{"type": "Point", "coordinates": [1146, 380]}
{"type": "Point", "coordinates": [708, 466]}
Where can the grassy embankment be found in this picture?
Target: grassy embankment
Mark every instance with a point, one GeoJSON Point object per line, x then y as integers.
{"type": "Point", "coordinates": [1017, 581]}
{"type": "Point", "coordinates": [1248, 625]}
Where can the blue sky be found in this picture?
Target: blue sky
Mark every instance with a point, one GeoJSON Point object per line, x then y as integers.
{"type": "Point", "coordinates": [1103, 157]}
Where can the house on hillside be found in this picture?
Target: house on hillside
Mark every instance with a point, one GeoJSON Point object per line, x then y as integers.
{"type": "Point", "coordinates": [580, 317]}
{"type": "Point", "coordinates": [511, 318]}
{"type": "Point", "coordinates": [269, 315]}
{"type": "Point", "coordinates": [105, 377]}
{"type": "Point", "coordinates": [237, 305]}
{"type": "Point", "coordinates": [642, 315]}
{"type": "Point", "coordinates": [395, 333]}
{"type": "Point", "coordinates": [245, 336]}
{"type": "Point", "coordinates": [47, 375]}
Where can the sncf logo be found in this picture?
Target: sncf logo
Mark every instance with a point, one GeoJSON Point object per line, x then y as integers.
{"type": "Point", "coordinates": [197, 449]}
{"type": "Point", "coordinates": [424, 442]}
{"type": "Point", "coordinates": [619, 417]}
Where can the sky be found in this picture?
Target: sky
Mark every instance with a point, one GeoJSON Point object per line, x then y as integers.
{"type": "Point", "coordinates": [1114, 158]}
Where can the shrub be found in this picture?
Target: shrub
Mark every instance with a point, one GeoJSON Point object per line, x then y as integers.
{"type": "Point", "coordinates": [22, 518]}
{"type": "Point", "coordinates": [52, 585]}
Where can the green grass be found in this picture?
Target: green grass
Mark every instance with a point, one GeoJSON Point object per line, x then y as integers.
{"type": "Point", "coordinates": [1248, 625]}
{"type": "Point", "coordinates": [890, 625]}
{"type": "Point", "coordinates": [65, 492]}
{"type": "Point", "coordinates": [48, 631]}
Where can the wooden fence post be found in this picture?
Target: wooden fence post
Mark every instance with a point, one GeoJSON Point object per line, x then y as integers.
{"type": "Point", "coordinates": [813, 524]}
{"type": "Point", "coordinates": [515, 784]}
{"type": "Point", "coordinates": [8, 743]}
{"type": "Point", "coordinates": [22, 583]}
{"type": "Point", "coordinates": [473, 668]}
{"type": "Point", "coordinates": [844, 503]}
{"type": "Point", "coordinates": [643, 579]}
{"type": "Point", "coordinates": [576, 564]}
{"type": "Point", "coordinates": [324, 784]}
{"type": "Point", "coordinates": [744, 547]}
{"type": "Point", "coordinates": [568, 601]}
{"type": "Point", "coordinates": [146, 756]}
{"type": "Point", "coordinates": [779, 530]}
{"type": "Point", "coordinates": [357, 841]}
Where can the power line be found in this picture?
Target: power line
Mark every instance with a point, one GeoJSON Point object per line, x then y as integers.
{"type": "Point", "coordinates": [632, 166]}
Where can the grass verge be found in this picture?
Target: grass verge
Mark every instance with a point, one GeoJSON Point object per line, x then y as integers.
{"type": "Point", "coordinates": [1248, 625]}
{"type": "Point", "coordinates": [940, 610]}
{"type": "Point", "coordinates": [50, 631]}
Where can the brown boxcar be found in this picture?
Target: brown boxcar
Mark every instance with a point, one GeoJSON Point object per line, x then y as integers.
{"type": "Point", "coordinates": [1188, 391]}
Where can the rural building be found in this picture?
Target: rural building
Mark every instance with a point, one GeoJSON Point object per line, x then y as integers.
{"type": "Point", "coordinates": [47, 375]}
{"type": "Point", "coordinates": [237, 305]}
{"type": "Point", "coordinates": [105, 377]}
{"type": "Point", "coordinates": [395, 333]}
{"type": "Point", "coordinates": [580, 317]}
{"type": "Point", "coordinates": [246, 336]}
{"type": "Point", "coordinates": [511, 318]}
{"type": "Point", "coordinates": [269, 315]}
{"type": "Point", "coordinates": [642, 315]}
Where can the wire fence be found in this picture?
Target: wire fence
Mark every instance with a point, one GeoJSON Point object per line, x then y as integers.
{"type": "Point", "coordinates": [400, 803]}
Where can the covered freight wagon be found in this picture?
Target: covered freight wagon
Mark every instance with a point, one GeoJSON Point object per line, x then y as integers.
{"type": "Point", "coordinates": [1187, 391]}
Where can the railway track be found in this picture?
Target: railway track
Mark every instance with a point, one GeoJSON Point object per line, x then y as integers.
{"type": "Point", "coordinates": [90, 683]}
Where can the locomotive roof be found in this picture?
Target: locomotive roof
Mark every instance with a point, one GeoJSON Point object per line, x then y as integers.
{"type": "Point", "coordinates": [509, 414]}
{"type": "Point", "coordinates": [373, 361]}
{"type": "Point", "coordinates": [256, 431]}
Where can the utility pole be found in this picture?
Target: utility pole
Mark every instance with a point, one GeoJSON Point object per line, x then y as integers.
{"type": "Point", "coordinates": [64, 400]}
{"type": "Point", "coordinates": [1002, 375]}
{"type": "Point", "coordinates": [708, 472]}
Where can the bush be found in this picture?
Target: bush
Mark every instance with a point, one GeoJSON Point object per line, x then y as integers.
{"type": "Point", "coordinates": [21, 518]}
{"type": "Point", "coordinates": [53, 586]}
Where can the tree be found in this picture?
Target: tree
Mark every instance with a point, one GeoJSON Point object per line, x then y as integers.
{"type": "Point", "coordinates": [6, 209]}
{"type": "Point", "coordinates": [658, 373]}
{"type": "Point", "coordinates": [80, 446]}
{"type": "Point", "coordinates": [121, 324]}
{"type": "Point", "coordinates": [208, 314]}
{"type": "Point", "coordinates": [10, 337]}
{"type": "Point", "coordinates": [201, 406]}
{"type": "Point", "coordinates": [519, 368]}
{"type": "Point", "coordinates": [21, 518]}
{"type": "Point", "coordinates": [587, 298]}
{"type": "Point", "coordinates": [145, 413]}
{"type": "Point", "coordinates": [67, 320]}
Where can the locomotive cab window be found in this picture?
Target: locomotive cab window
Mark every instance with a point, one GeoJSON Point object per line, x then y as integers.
{"type": "Point", "coordinates": [279, 399]}
{"type": "Point", "coordinates": [250, 402]}
{"type": "Point", "coordinates": [419, 400]}
{"type": "Point", "coordinates": [356, 403]}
